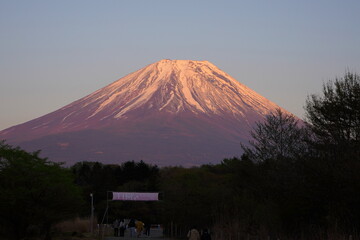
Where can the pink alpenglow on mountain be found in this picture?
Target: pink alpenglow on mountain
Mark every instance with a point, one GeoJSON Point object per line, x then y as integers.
{"type": "Point", "coordinates": [172, 112]}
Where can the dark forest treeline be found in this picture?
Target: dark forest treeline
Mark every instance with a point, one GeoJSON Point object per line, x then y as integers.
{"type": "Point", "coordinates": [294, 181]}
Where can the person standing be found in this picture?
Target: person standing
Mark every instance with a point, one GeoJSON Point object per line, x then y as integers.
{"type": "Point", "coordinates": [205, 235]}
{"type": "Point", "coordinates": [122, 227]}
{"type": "Point", "coordinates": [116, 227]}
{"type": "Point", "coordinates": [139, 227]}
{"type": "Point", "coordinates": [193, 234]}
{"type": "Point", "coordinates": [131, 226]}
{"type": "Point", "coordinates": [147, 227]}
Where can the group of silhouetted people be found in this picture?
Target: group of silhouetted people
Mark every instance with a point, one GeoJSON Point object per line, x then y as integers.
{"type": "Point", "coordinates": [119, 227]}
{"type": "Point", "coordinates": [194, 234]}
{"type": "Point", "coordinates": [136, 228]}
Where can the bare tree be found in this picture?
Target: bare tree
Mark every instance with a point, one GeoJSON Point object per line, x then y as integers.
{"type": "Point", "coordinates": [279, 136]}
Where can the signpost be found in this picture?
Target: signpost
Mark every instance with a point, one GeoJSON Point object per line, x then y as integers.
{"type": "Point", "coordinates": [128, 196]}
{"type": "Point", "coordinates": [135, 196]}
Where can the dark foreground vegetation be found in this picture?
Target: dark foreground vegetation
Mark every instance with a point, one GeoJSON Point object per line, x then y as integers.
{"type": "Point", "coordinates": [295, 180]}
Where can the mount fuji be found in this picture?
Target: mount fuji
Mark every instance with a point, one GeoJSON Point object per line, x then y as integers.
{"type": "Point", "coordinates": [172, 112]}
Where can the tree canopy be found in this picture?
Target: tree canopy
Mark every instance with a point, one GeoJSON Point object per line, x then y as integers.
{"type": "Point", "coordinates": [334, 116]}
{"type": "Point", "coordinates": [35, 193]}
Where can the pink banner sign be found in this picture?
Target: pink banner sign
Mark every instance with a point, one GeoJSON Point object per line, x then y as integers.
{"type": "Point", "coordinates": [135, 196]}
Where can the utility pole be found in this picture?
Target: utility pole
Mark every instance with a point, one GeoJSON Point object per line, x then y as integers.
{"type": "Point", "coordinates": [92, 214]}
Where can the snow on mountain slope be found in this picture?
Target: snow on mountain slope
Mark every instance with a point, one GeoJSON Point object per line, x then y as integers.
{"type": "Point", "coordinates": [177, 85]}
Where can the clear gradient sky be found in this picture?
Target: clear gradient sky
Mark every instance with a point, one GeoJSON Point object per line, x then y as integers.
{"type": "Point", "coordinates": [55, 52]}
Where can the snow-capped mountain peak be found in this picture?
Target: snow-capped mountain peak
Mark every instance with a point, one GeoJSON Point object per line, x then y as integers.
{"type": "Point", "coordinates": [175, 86]}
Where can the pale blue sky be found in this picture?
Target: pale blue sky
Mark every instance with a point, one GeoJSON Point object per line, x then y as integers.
{"type": "Point", "coordinates": [55, 52]}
